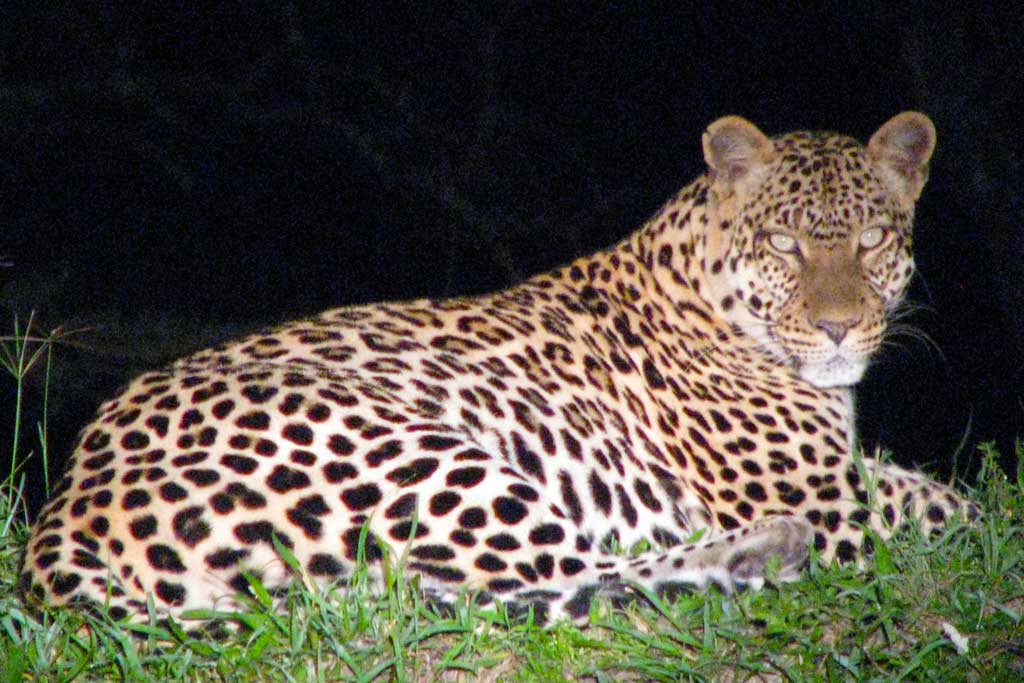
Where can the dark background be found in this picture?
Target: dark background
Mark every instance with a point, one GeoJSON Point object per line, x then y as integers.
{"type": "Point", "coordinates": [174, 176]}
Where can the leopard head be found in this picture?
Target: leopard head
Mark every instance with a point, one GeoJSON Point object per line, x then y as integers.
{"type": "Point", "coordinates": [808, 242]}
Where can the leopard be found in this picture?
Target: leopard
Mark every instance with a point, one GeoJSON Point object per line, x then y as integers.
{"type": "Point", "coordinates": [672, 412]}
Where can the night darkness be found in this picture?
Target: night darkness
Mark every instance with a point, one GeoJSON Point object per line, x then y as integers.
{"type": "Point", "coordinates": [172, 177]}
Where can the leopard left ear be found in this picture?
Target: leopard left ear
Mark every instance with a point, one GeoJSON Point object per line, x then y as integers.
{"type": "Point", "coordinates": [901, 149]}
{"type": "Point", "coordinates": [737, 155]}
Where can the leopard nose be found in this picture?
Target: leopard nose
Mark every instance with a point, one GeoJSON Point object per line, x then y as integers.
{"type": "Point", "coordinates": [836, 329]}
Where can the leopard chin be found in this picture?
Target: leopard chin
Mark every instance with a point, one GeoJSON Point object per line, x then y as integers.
{"type": "Point", "coordinates": [837, 371]}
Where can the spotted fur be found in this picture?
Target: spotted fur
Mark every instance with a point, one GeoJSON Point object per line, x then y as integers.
{"type": "Point", "coordinates": [693, 377]}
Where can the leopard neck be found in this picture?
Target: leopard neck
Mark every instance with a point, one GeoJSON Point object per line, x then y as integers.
{"type": "Point", "coordinates": [672, 246]}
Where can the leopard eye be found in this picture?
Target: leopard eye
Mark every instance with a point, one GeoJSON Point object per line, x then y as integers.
{"type": "Point", "coordinates": [871, 238]}
{"type": "Point", "coordinates": [782, 242]}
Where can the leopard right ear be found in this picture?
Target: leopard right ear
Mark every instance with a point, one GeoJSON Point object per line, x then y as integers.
{"type": "Point", "coordinates": [737, 155]}
{"type": "Point", "coordinates": [901, 149]}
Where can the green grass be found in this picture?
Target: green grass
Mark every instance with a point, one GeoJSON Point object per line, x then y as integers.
{"type": "Point", "coordinates": [945, 609]}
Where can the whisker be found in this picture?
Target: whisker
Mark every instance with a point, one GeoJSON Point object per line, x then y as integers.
{"type": "Point", "coordinates": [899, 331]}
{"type": "Point", "coordinates": [907, 309]}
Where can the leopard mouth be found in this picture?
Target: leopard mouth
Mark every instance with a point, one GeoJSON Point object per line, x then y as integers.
{"type": "Point", "coordinates": [840, 368]}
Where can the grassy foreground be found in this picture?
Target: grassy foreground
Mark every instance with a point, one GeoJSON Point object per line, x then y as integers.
{"type": "Point", "coordinates": [944, 609]}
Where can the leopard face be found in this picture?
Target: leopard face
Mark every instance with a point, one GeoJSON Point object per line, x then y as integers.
{"type": "Point", "coordinates": [814, 252]}
{"type": "Point", "coordinates": [691, 378]}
